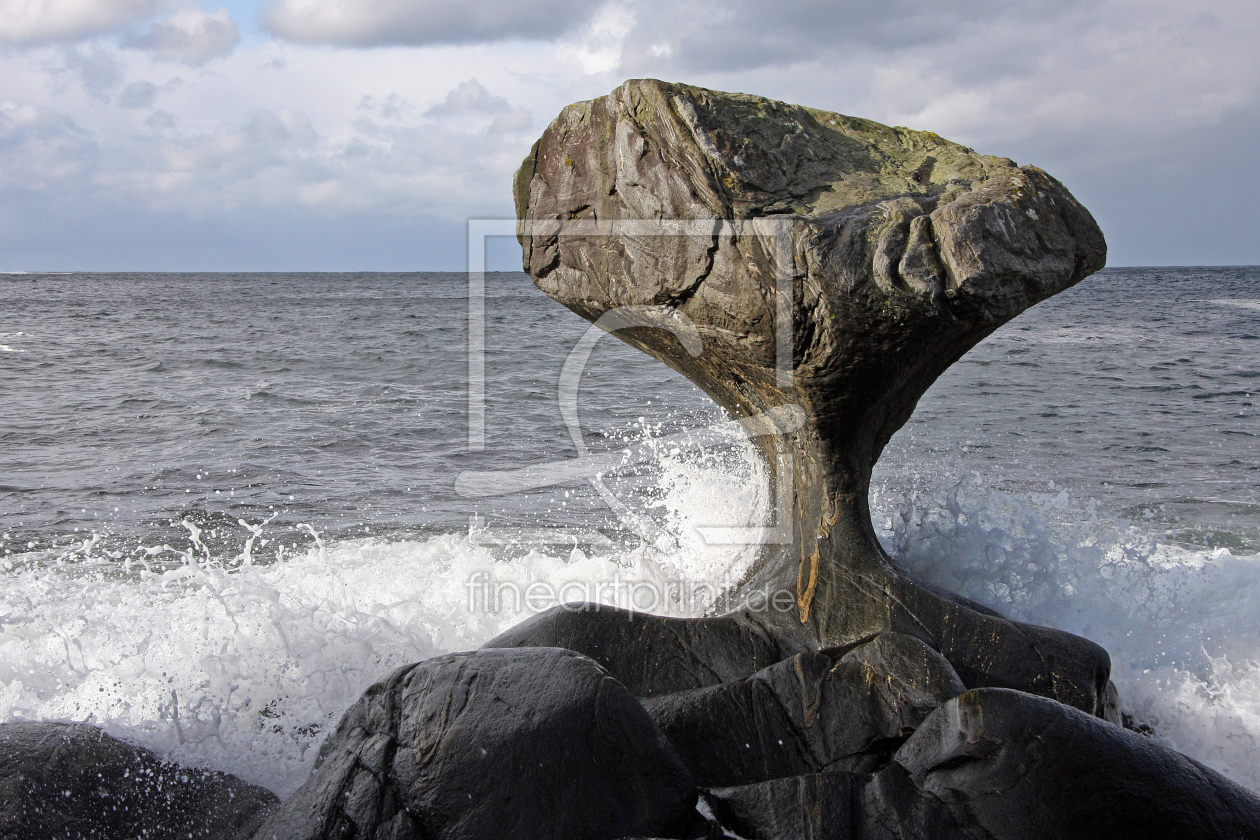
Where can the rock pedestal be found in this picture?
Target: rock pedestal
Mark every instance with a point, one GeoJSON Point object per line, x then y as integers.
{"type": "Point", "coordinates": [798, 263]}
{"type": "Point", "coordinates": [829, 265]}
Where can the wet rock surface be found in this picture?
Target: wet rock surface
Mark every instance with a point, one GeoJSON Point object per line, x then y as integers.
{"type": "Point", "coordinates": [493, 744]}
{"type": "Point", "coordinates": [996, 764]}
{"type": "Point", "coordinates": [817, 806]}
{"type": "Point", "coordinates": [1004, 764]}
{"type": "Point", "coordinates": [814, 711]}
{"type": "Point", "coordinates": [73, 781]}
{"type": "Point", "coordinates": [653, 655]}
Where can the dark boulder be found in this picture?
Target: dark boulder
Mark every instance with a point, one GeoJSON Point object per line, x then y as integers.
{"type": "Point", "coordinates": [817, 806]}
{"type": "Point", "coordinates": [651, 654]}
{"type": "Point", "coordinates": [829, 710]}
{"type": "Point", "coordinates": [504, 744]}
{"type": "Point", "coordinates": [889, 684]}
{"type": "Point", "coordinates": [60, 780]}
{"type": "Point", "coordinates": [996, 764]}
{"type": "Point", "coordinates": [1004, 765]}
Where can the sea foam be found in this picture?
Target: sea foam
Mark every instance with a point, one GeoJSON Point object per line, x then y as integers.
{"type": "Point", "coordinates": [244, 666]}
{"type": "Point", "coordinates": [225, 663]}
{"type": "Point", "coordinates": [1180, 623]}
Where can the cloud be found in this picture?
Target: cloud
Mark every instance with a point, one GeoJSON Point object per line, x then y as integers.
{"type": "Point", "coordinates": [746, 34]}
{"type": "Point", "coordinates": [391, 107]}
{"type": "Point", "coordinates": [160, 120]}
{"type": "Point", "coordinates": [1016, 78]}
{"type": "Point", "coordinates": [1129, 102]}
{"type": "Point", "coordinates": [343, 132]}
{"type": "Point", "coordinates": [598, 46]}
{"type": "Point", "coordinates": [96, 67]}
{"type": "Point", "coordinates": [1146, 109]}
{"type": "Point", "coordinates": [517, 119]}
{"type": "Point", "coordinates": [25, 22]}
{"type": "Point", "coordinates": [471, 98]}
{"type": "Point", "coordinates": [43, 151]}
{"type": "Point", "coordinates": [377, 23]}
{"type": "Point", "coordinates": [191, 36]}
{"type": "Point", "coordinates": [138, 95]}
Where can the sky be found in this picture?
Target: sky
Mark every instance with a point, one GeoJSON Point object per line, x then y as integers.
{"type": "Point", "coordinates": [361, 135]}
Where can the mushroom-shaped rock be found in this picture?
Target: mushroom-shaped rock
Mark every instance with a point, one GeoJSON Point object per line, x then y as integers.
{"type": "Point", "coordinates": [493, 744]}
{"type": "Point", "coordinates": [828, 269]}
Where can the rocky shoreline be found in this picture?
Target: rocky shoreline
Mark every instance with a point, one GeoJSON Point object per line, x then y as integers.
{"type": "Point", "coordinates": [778, 257]}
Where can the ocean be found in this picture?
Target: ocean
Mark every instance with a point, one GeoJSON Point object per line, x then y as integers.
{"type": "Point", "coordinates": [231, 502]}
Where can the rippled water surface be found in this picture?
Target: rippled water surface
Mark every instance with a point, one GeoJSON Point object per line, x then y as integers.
{"type": "Point", "coordinates": [227, 502]}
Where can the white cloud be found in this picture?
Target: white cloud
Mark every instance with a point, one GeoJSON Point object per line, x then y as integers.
{"type": "Point", "coordinates": [388, 133]}
{"type": "Point", "coordinates": [191, 36]}
{"type": "Point", "coordinates": [42, 21]}
{"type": "Point", "coordinates": [470, 96]}
{"type": "Point", "coordinates": [598, 46]}
{"type": "Point", "coordinates": [373, 23]}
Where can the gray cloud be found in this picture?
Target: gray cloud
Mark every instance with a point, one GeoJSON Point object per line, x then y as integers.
{"type": "Point", "coordinates": [23, 22]}
{"type": "Point", "coordinates": [1134, 106]}
{"type": "Point", "coordinates": [748, 34]}
{"type": "Point", "coordinates": [517, 119]}
{"type": "Point", "coordinates": [43, 152]}
{"type": "Point", "coordinates": [138, 95]}
{"type": "Point", "coordinates": [96, 68]}
{"type": "Point", "coordinates": [270, 130]}
{"type": "Point", "coordinates": [191, 36]}
{"type": "Point", "coordinates": [160, 120]}
{"type": "Point", "coordinates": [666, 36]}
{"type": "Point", "coordinates": [470, 97]}
{"type": "Point", "coordinates": [375, 23]}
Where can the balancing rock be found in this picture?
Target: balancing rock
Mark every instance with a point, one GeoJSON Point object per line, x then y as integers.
{"type": "Point", "coordinates": [798, 263]}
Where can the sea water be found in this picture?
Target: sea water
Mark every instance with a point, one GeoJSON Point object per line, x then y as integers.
{"type": "Point", "coordinates": [228, 503]}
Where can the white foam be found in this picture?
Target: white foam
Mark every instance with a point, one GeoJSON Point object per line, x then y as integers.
{"type": "Point", "coordinates": [244, 668]}
{"type": "Point", "coordinates": [1245, 303]}
{"type": "Point", "coordinates": [1180, 624]}
{"type": "Point", "coordinates": [1080, 334]}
